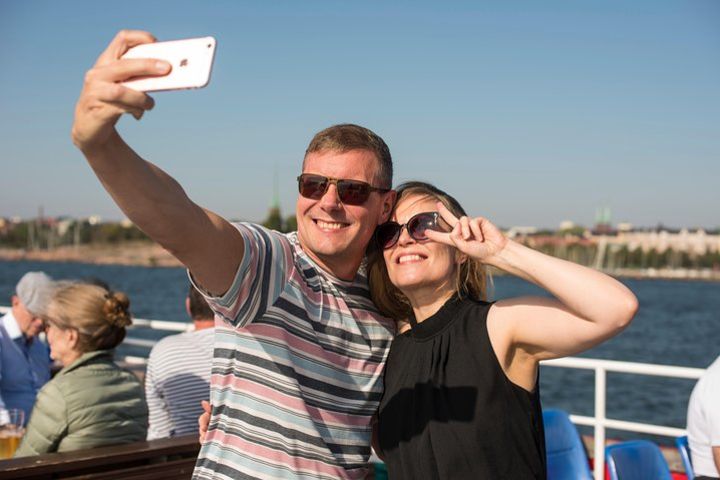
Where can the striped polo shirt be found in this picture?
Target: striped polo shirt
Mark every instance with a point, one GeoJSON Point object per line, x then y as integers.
{"type": "Point", "coordinates": [177, 379]}
{"type": "Point", "coordinates": [297, 368]}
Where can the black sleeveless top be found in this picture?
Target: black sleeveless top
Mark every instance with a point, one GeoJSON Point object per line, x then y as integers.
{"type": "Point", "coordinates": [449, 411]}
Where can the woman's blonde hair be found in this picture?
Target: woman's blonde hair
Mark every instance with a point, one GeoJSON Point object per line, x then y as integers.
{"type": "Point", "coordinates": [471, 277]}
{"type": "Point", "coordinates": [98, 315]}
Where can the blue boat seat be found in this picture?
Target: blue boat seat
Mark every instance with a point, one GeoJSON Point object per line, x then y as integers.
{"type": "Point", "coordinates": [684, 449]}
{"type": "Point", "coordinates": [565, 452]}
{"type": "Point", "coordinates": [636, 460]}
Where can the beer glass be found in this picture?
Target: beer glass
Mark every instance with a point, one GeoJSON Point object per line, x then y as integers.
{"type": "Point", "coordinates": [11, 431]}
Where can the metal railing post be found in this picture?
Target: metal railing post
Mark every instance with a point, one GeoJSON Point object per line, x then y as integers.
{"type": "Point", "coordinates": [599, 446]}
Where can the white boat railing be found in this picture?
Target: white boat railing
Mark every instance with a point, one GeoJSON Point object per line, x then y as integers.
{"type": "Point", "coordinates": [141, 342]}
{"type": "Point", "coordinates": [154, 325]}
{"type": "Point", "coordinates": [599, 421]}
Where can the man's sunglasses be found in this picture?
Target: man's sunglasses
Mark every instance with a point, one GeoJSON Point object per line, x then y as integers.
{"type": "Point", "coordinates": [350, 192]}
{"type": "Point", "coordinates": [388, 234]}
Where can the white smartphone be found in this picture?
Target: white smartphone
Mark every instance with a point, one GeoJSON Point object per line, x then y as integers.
{"type": "Point", "coordinates": [191, 61]}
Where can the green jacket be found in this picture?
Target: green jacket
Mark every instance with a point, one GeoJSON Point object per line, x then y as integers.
{"type": "Point", "coordinates": [90, 403]}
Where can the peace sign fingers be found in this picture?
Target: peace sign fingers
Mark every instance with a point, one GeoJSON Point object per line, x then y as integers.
{"type": "Point", "coordinates": [440, 237]}
{"type": "Point", "coordinates": [476, 227]}
{"type": "Point", "coordinates": [448, 221]}
{"type": "Point", "coordinates": [476, 237]}
{"type": "Point", "coordinates": [446, 215]}
{"type": "Point", "coordinates": [462, 224]}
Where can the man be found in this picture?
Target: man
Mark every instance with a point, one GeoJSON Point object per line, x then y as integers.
{"type": "Point", "coordinates": [703, 424]}
{"type": "Point", "coordinates": [177, 377]}
{"type": "Point", "coordinates": [297, 368]}
{"type": "Point", "coordinates": [24, 360]}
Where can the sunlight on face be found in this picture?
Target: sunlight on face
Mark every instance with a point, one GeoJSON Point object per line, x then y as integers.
{"type": "Point", "coordinates": [329, 230]}
{"type": "Point", "coordinates": [419, 267]}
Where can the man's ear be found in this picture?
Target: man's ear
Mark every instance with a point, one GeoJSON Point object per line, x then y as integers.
{"type": "Point", "coordinates": [72, 337]}
{"type": "Point", "coordinates": [387, 205]}
{"type": "Point", "coordinates": [15, 300]}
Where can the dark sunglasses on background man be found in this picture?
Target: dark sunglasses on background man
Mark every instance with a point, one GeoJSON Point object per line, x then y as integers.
{"type": "Point", "coordinates": [388, 234]}
{"type": "Point", "coordinates": [350, 192]}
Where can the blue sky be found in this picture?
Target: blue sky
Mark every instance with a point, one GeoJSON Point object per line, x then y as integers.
{"type": "Point", "coordinates": [529, 112]}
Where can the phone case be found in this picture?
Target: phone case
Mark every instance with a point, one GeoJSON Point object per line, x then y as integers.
{"type": "Point", "coordinates": [191, 61]}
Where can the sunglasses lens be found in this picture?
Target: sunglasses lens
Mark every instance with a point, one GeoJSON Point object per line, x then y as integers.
{"type": "Point", "coordinates": [312, 186]}
{"type": "Point", "coordinates": [352, 192]}
{"type": "Point", "coordinates": [420, 223]}
{"type": "Point", "coordinates": [387, 234]}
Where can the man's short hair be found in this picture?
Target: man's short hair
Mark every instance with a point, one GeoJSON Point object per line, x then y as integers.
{"type": "Point", "coordinates": [35, 290]}
{"type": "Point", "coordinates": [199, 309]}
{"type": "Point", "coordinates": [345, 137]}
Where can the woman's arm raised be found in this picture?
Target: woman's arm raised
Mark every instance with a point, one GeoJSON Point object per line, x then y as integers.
{"type": "Point", "coordinates": [589, 306]}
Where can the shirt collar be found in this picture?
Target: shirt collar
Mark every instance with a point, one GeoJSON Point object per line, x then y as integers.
{"type": "Point", "coordinates": [102, 355]}
{"type": "Point", "coordinates": [11, 326]}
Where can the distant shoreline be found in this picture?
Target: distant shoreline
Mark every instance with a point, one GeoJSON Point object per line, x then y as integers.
{"type": "Point", "coordinates": [150, 254]}
{"type": "Point", "coordinates": [667, 274]}
{"type": "Point", "coordinates": [656, 274]}
{"type": "Point", "coordinates": [138, 253]}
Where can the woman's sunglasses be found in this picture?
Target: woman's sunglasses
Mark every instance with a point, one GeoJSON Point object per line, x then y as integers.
{"type": "Point", "coordinates": [350, 192]}
{"type": "Point", "coordinates": [388, 234]}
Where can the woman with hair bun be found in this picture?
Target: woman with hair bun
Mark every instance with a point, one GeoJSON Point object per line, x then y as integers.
{"type": "Point", "coordinates": [91, 402]}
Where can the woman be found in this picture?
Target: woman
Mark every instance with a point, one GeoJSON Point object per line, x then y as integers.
{"type": "Point", "coordinates": [91, 402]}
{"type": "Point", "coordinates": [461, 383]}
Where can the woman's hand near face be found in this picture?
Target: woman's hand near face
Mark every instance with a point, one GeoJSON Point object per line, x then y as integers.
{"type": "Point", "coordinates": [476, 237]}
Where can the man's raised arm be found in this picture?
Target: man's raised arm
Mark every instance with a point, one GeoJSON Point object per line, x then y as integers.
{"type": "Point", "coordinates": [205, 242]}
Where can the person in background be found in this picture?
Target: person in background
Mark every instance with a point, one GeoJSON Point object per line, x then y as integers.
{"type": "Point", "coordinates": [177, 377]}
{"type": "Point", "coordinates": [461, 398]}
{"type": "Point", "coordinates": [24, 359]}
{"type": "Point", "coordinates": [703, 424]}
{"type": "Point", "coordinates": [91, 402]}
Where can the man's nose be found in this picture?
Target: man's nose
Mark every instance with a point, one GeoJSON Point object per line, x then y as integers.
{"type": "Point", "coordinates": [330, 199]}
{"type": "Point", "coordinates": [37, 324]}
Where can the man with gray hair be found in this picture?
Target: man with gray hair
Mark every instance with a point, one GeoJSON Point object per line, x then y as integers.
{"type": "Point", "coordinates": [24, 360]}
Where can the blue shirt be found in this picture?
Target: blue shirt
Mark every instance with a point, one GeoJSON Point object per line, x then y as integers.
{"type": "Point", "coordinates": [24, 367]}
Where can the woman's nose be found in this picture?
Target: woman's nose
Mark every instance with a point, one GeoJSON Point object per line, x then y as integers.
{"type": "Point", "coordinates": [405, 238]}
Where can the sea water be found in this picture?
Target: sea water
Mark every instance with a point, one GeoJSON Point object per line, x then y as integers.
{"type": "Point", "coordinates": [678, 323]}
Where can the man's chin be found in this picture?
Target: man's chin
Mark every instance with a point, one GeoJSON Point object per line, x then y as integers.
{"type": "Point", "coordinates": [333, 244]}
{"type": "Point", "coordinates": [334, 252]}
{"type": "Point", "coordinates": [331, 251]}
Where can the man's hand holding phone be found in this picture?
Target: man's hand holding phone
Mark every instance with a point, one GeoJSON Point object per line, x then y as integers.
{"type": "Point", "coordinates": [150, 198]}
{"type": "Point", "coordinates": [191, 61]}
{"type": "Point", "coordinates": [103, 99]}
{"type": "Point", "coordinates": [132, 64]}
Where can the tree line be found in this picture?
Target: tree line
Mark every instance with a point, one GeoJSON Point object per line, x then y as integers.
{"type": "Point", "coordinates": [621, 256]}
{"type": "Point", "coordinates": [46, 235]}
